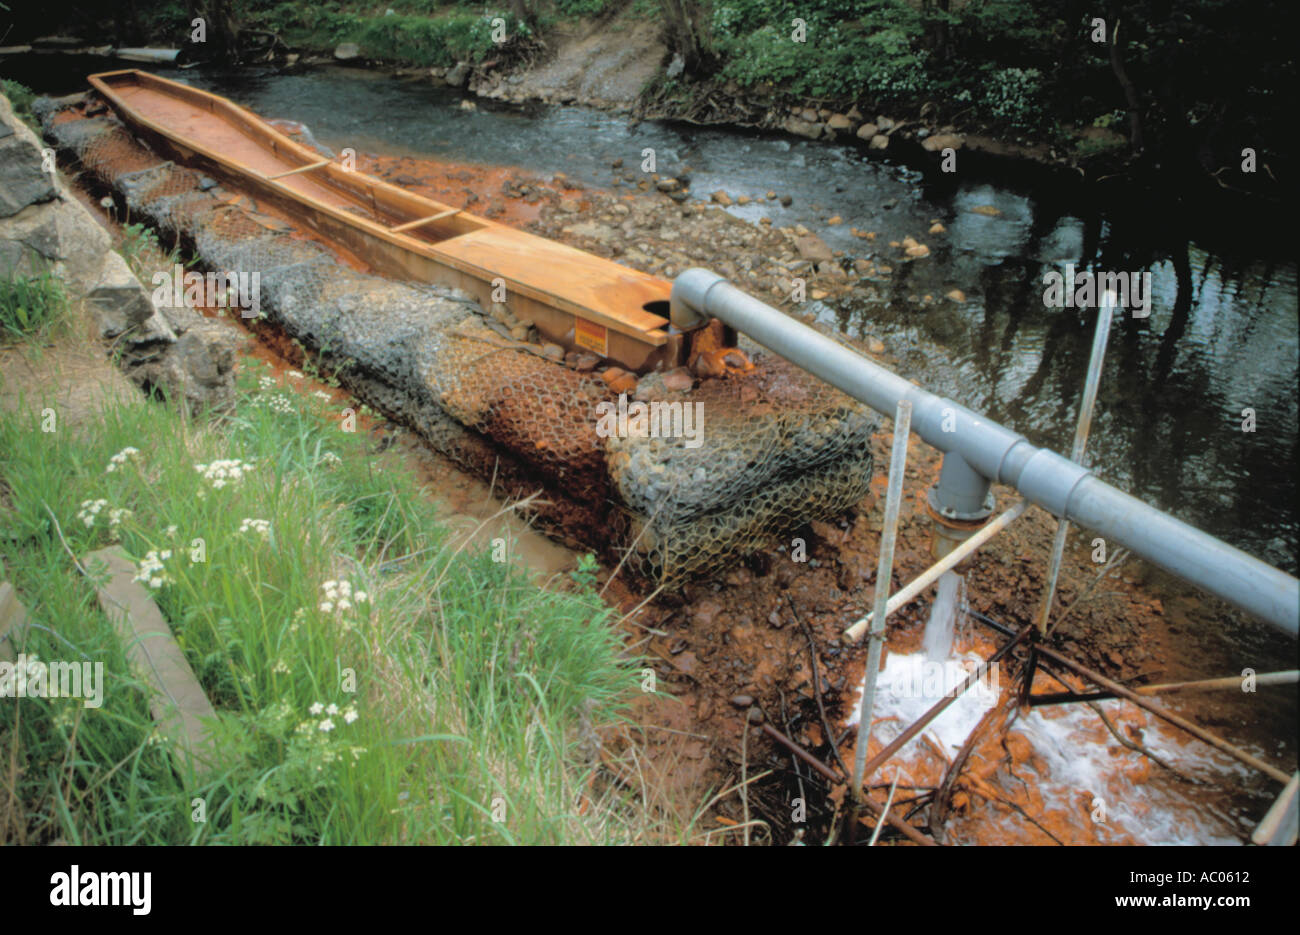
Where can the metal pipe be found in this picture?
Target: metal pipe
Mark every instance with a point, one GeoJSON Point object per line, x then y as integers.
{"type": "Point", "coordinates": [954, 558]}
{"type": "Point", "coordinates": [1002, 456]}
{"type": "Point", "coordinates": [884, 575]}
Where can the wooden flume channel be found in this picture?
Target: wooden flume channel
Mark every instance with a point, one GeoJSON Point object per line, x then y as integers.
{"type": "Point", "coordinates": [573, 298]}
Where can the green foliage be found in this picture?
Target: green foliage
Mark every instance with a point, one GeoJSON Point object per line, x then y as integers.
{"type": "Point", "coordinates": [21, 97]}
{"type": "Point", "coordinates": [469, 681]}
{"type": "Point", "coordinates": [583, 7]}
{"type": "Point", "coordinates": [30, 305]}
{"type": "Point", "coordinates": [876, 55]}
{"type": "Point", "coordinates": [1014, 96]}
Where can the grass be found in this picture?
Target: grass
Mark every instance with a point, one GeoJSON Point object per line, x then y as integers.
{"type": "Point", "coordinates": [31, 307]}
{"type": "Point", "coordinates": [471, 688]}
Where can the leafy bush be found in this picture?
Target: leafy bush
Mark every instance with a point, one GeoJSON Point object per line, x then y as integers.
{"type": "Point", "coordinates": [1014, 96]}
{"type": "Point", "coordinates": [582, 7]}
{"type": "Point", "coordinates": [838, 59]}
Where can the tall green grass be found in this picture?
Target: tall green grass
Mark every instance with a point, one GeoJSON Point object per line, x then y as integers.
{"type": "Point", "coordinates": [31, 307]}
{"type": "Point", "coordinates": [471, 688]}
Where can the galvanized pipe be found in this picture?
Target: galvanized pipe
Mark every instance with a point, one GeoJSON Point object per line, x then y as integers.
{"type": "Point", "coordinates": [999, 455]}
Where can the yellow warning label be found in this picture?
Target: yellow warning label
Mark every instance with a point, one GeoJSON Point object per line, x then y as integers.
{"type": "Point", "coordinates": [589, 335]}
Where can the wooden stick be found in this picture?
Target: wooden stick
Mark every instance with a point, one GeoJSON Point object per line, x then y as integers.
{"type": "Point", "coordinates": [306, 168]}
{"type": "Point", "coordinates": [949, 561]}
{"type": "Point", "coordinates": [422, 221]}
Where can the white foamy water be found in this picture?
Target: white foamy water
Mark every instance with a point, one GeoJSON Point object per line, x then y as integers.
{"type": "Point", "coordinates": [1072, 769]}
{"type": "Point", "coordinates": [945, 610]}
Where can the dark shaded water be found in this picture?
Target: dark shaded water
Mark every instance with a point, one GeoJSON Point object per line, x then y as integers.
{"type": "Point", "coordinates": [1221, 337]}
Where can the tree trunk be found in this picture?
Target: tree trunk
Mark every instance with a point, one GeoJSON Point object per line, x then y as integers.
{"type": "Point", "coordinates": [683, 35]}
{"type": "Point", "coordinates": [1130, 92]}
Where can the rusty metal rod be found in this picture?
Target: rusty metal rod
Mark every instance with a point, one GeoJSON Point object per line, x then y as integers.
{"type": "Point", "coordinates": [919, 725]}
{"type": "Point", "coordinates": [829, 774]}
{"type": "Point", "coordinates": [1196, 731]}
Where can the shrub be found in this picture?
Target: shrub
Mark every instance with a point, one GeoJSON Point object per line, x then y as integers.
{"type": "Point", "coordinates": [1014, 96]}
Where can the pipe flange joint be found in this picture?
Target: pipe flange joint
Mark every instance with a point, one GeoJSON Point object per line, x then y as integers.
{"type": "Point", "coordinates": [947, 512]}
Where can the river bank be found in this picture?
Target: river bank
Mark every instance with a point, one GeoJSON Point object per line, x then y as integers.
{"type": "Point", "coordinates": [726, 625]}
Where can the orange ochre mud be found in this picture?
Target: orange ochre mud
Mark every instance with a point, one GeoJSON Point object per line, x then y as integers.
{"type": "Point", "coordinates": [747, 641]}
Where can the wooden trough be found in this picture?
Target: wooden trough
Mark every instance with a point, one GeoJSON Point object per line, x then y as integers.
{"type": "Point", "coordinates": [575, 299]}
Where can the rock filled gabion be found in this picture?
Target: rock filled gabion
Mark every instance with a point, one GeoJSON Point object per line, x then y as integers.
{"type": "Point", "coordinates": [775, 448]}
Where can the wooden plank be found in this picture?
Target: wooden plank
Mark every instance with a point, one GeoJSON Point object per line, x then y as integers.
{"type": "Point", "coordinates": [306, 168]}
{"type": "Point", "coordinates": [422, 221]}
{"type": "Point", "coordinates": [177, 701]}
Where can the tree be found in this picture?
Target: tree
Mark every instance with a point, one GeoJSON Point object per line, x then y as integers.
{"type": "Point", "coordinates": [682, 28]}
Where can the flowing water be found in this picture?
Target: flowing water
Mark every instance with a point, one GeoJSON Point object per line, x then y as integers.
{"type": "Point", "coordinates": [948, 606]}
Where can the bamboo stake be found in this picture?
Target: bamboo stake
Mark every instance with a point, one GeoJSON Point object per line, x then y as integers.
{"type": "Point", "coordinates": [1287, 677]}
{"type": "Point", "coordinates": [1081, 430]}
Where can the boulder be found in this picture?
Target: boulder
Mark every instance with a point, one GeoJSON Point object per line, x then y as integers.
{"type": "Point", "coordinates": [457, 75]}
{"type": "Point", "coordinates": [814, 249]}
{"type": "Point", "coordinates": [942, 141]}
{"type": "Point", "coordinates": [867, 131]}
{"type": "Point", "coordinates": [804, 128]}
{"type": "Point", "coordinates": [839, 123]}
{"type": "Point", "coordinates": [347, 51]}
{"type": "Point", "coordinates": [879, 141]}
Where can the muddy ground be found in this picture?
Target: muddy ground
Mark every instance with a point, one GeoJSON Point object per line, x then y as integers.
{"type": "Point", "coordinates": [742, 641]}
{"type": "Point", "coordinates": [743, 647]}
